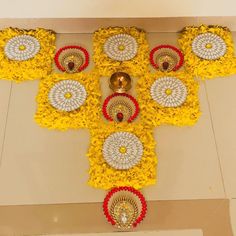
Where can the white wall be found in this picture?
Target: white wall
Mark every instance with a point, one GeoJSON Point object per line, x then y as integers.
{"type": "Point", "coordinates": [115, 8]}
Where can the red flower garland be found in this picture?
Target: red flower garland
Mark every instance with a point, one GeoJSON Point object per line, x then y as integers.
{"type": "Point", "coordinates": [180, 54]}
{"type": "Point", "coordinates": [129, 189]}
{"type": "Point", "coordinates": [107, 100]}
{"type": "Point", "coordinates": [83, 50]}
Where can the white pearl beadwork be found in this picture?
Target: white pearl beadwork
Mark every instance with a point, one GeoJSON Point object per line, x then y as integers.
{"type": "Point", "coordinates": [31, 47]}
{"type": "Point", "coordinates": [113, 44]}
{"type": "Point", "coordinates": [216, 50]}
{"type": "Point", "coordinates": [122, 160]}
{"type": "Point", "coordinates": [76, 91]}
{"type": "Point", "coordinates": [159, 93]}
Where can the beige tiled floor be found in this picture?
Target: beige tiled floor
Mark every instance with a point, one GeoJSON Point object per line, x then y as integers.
{"type": "Point", "coordinates": [41, 166]}
{"type": "Point", "coordinates": [185, 155]}
{"type": "Point", "coordinates": [5, 91]}
{"type": "Point", "coordinates": [222, 96]}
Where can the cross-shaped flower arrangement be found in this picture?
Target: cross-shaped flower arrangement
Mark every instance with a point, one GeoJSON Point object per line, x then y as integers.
{"type": "Point", "coordinates": [122, 149]}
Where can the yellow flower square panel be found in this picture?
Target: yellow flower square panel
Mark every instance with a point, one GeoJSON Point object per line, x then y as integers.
{"type": "Point", "coordinates": [168, 98]}
{"type": "Point", "coordinates": [67, 101]}
{"type": "Point", "coordinates": [109, 144]}
{"type": "Point", "coordinates": [120, 48]}
{"type": "Point", "coordinates": [208, 51]}
{"type": "Point", "coordinates": [26, 54]}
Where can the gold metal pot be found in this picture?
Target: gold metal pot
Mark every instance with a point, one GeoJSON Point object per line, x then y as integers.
{"type": "Point", "coordinates": [120, 82]}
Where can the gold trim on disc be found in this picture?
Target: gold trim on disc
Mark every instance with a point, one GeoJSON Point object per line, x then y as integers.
{"type": "Point", "coordinates": [124, 211]}
{"type": "Point", "coordinates": [72, 61]}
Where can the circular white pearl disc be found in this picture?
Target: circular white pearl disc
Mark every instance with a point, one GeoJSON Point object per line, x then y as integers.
{"type": "Point", "coordinates": [129, 44]}
{"type": "Point", "coordinates": [217, 49]}
{"type": "Point", "coordinates": [57, 95]}
{"type": "Point", "coordinates": [118, 160]}
{"type": "Point", "coordinates": [178, 92]}
{"type": "Point", "coordinates": [31, 47]}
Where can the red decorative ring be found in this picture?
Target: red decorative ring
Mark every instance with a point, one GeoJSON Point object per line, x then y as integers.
{"type": "Point", "coordinates": [83, 50]}
{"type": "Point", "coordinates": [129, 189]}
{"type": "Point", "coordinates": [107, 100]}
{"type": "Point", "coordinates": [180, 54]}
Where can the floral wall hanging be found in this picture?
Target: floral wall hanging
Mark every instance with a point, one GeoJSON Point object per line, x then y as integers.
{"type": "Point", "coordinates": [26, 54]}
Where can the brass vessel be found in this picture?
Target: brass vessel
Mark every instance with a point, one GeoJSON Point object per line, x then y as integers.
{"type": "Point", "coordinates": [120, 82]}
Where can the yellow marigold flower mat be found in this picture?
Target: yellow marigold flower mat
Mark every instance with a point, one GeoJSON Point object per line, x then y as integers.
{"type": "Point", "coordinates": [49, 117]}
{"type": "Point", "coordinates": [103, 176]}
{"type": "Point", "coordinates": [208, 69]}
{"type": "Point", "coordinates": [154, 114]}
{"type": "Point", "coordinates": [35, 68]}
{"type": "Point", "coordinates": [106, 66]}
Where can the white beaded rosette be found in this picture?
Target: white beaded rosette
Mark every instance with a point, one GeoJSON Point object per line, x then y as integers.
{"type": "Point", "coordinates": [121, 47]}
{"type": "Point", "coordinates": [122, 150]}
{"type": "Point", "coordinates": [209, 46]}
{"type": "Point", "coordinates": [168, 92]}
{"type": "Point", "coordinates": [67, 95]}
{"type": "Point", "coordinates": [22, 47]}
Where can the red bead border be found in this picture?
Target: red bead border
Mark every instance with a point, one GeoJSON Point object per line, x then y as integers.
{"type": "Point", "coordinates": [181, 56]}
{"type": "Point", "coordinates": [83, 50]}
{"type": "Point", "coordinates": [129, 189]}
{"type": "Point", "coordinates": [104, 107]}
